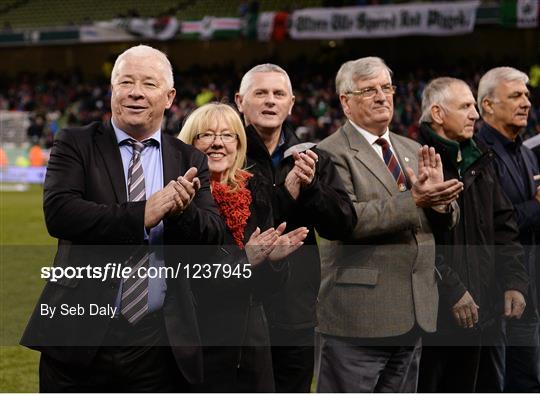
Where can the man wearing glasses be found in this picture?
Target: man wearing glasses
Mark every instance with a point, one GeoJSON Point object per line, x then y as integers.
{"type": "Point", "coordinates": [378, 291]}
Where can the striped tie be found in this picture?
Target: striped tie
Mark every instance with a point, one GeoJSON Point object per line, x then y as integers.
{"type": "Point", "coordinates": [135, 288]}
{"type": "Point", "coordinates": [392, 164]}
{"type": "Point", "coordinates": [136, 189]}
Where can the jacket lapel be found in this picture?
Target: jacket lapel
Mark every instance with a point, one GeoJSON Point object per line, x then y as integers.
{"type": "Point", "coordinates": [501, 152]}
{"type": "Point", "coordinates": [513, 171]}
{"type": "Point", "coordinates": [529, 165]}
{"type": "Point", "coordinates": [171, 160]}
{"type": "Point", "coordinates": [400, 151]}
{"type": "Point", "coordinates": [107, 145]}
{"type": "Point", "coordinates": [369, 158]}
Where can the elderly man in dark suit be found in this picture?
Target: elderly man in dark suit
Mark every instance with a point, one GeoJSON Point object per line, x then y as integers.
{"type": "Point", "coordinates": [480, 260]}
{"type": "Point", "coordinates": [123, 183]}
{"type": "Point", "coordinates": [503, 100]}
{"type": "Point", "coordinates": [378, 290]}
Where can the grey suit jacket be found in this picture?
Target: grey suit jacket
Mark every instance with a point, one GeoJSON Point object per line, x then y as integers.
{"type": "Point", "coordinates": [381, 281]}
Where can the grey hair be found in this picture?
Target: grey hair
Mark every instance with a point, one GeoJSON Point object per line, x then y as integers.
{"type": "Point", "coordinates": [437, 92]}
{"type": "Point", "coordinates": [247, 79]}
{"type": "Point", "coordinates": [490, 80]}
{"type": "Point", "coordinates": [145, 50]}
{"type": "Point", "coordinates": [359, 69]}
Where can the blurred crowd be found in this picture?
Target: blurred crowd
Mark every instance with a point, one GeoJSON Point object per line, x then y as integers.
{"type": "Point", "coordinates": [56, 101]}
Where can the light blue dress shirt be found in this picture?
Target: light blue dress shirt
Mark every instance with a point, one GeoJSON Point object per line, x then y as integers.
{"type": "Point", "coordinates": [152, 163]}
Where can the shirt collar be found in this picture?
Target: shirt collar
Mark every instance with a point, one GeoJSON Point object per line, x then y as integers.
{"type": "Point", "coordinates": [507, 143]}
{"type": "Point", "coordinates": [277, 155]}
{"type": "Point", "coordinates": [370, 137]}
{"type": "Point", "coordinates": [281, 140]}
{"type": "Point", "coordinates": [122, 136]}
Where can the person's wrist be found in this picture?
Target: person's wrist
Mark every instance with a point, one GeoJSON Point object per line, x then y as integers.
{"type": "Point", "coordinates": [442, 208]}
{"type": "Point", "coordinates": [417, 199]}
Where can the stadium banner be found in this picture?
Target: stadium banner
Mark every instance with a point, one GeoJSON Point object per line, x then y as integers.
{"type": "Point", "coordinates": [164, 28]}
{"type": "Point", "coordinates": [13, 127]}
{"type": "Point", "coordinates": [9, 38]}
{"type": "Point", "coordinates": [30, 175]}
{"type": "Point", "coordinates": [520, 13]}
{"type": "Point", "coordinates": [212, 28]}
{"type": "Point", "coordinates": [265, 25]}
{"type": "Point", "coordinates": [433, 19]}
{"type": "Point", "coordinates": [131, 29]}
{"type": "Point", "coordinates": [106, 31]}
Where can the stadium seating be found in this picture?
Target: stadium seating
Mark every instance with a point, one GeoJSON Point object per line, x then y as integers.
{"type": "Point", "coordinates": [21, 14]}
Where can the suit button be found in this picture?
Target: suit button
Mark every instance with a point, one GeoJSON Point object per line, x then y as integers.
{"type": "Point", "coordinates": [473, 172]}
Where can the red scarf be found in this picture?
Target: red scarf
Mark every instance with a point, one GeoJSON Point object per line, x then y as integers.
{"type": "Point", "coordinates": [234, 207]}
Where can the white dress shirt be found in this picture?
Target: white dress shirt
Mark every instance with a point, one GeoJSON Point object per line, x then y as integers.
{"type": "Point", "coordinates": [371, 138]}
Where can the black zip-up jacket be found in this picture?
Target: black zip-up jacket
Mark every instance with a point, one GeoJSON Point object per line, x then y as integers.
{"type": "Point", "coordinates": [482, 253]}
{"type": "Point", "coordinates": [324, 206]}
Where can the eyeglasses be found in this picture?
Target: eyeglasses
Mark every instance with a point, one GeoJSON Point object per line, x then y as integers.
{"type": "Point", "coordinates": [209, 137]}
{"type": "Point", "coordinates": [371, 91]}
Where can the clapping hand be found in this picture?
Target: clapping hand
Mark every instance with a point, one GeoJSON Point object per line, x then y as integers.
{"type": "Point", "coordinates": [160, 204]}
{"type": "Point", "coordinates": [186, 187]}
{"type": "Point", "coordinates": [292, 183]}
{"type": "Point", "coordinates": [429, 189]}
{"type": "Point", "coordinates": [288, 243]}
{"type": "Point", "coordinates": [273, 245]}
{"type": "Point", "coordinates": [260, 245]}
{"type": "Point", "coordinates": [303, 172]}
{"type": "Point", "coordinates": [173, 199]}
{"type": "Point", "coordinates": [430, 162]}
{"type": "Point", "coordinates": [304, 166]}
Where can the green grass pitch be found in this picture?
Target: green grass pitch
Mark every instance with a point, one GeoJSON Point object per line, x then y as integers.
{"type": "Point", "coordinates": [25, 246]}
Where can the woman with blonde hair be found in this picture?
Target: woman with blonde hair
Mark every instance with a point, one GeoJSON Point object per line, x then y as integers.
{"type": "Point", "coordinates": [230, 312]}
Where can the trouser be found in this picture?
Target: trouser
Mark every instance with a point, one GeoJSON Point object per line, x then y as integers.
{"type": "Point", "coordinates": [347, 365]}
{"type": "Point", "coordinates": [465, 361]}
{"type": "Point", "coordinates": [237, 369]}
{"type": "Point", "coordinates": [522, 356]}
{"type": "Point", "coordinates": [141, 364]}
{"type": "Point", "coordinates": [292, 359]}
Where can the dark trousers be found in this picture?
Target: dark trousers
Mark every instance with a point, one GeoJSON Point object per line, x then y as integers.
{"type": "Point", "coordinates": [460, 369]}
{"type": "Point", "coordinates": [142, 363]}
{"type": "Point", "coordinates": [237, 369]}
{"type": "Point", "coordinates": [522, 356]}
{"type": "Point", "coordinates": [347, 365]}
{"type": "Point", "coordinates": [292, 359]}
{"type": "Point", "coordinates": [467, 360]}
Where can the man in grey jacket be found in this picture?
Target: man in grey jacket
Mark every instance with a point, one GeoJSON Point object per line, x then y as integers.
{"type": "Point", "coordinates": [378, 291]}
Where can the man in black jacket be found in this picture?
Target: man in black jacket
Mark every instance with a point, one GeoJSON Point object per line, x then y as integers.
{"type": "Point", "coordinates": [113, 191]}
{"type": "Point", "coordinates": [479, 261]}
{"type": "Point", "coordinates": [504, 103]}
{"type": "Point", "coordinates": [306, 191]}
